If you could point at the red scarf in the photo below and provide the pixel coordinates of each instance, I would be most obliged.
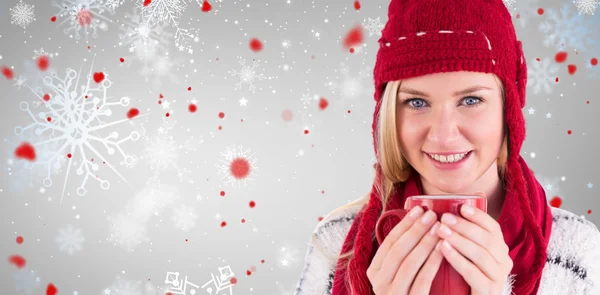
(525, 219)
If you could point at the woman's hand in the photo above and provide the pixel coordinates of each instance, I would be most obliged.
(475, 247)
(407, 260)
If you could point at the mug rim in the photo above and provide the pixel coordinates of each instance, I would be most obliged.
(446, 197)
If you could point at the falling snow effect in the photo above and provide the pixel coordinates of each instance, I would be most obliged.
(566, 30)
(587, 6)
(509, 3)
(349, 85)
(41, 52)
(541, 75)
(80, 115)
(247, 74)
(373, 26)
(70, 240)
(168, 12)
(522, 11)
(226, 166)
(85, 16)
(22, 14)
(184, 217)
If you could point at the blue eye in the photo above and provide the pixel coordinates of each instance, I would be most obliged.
(418, 103)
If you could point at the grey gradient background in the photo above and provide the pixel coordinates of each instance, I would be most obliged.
(127, 238)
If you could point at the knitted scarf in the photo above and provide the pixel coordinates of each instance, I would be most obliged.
(525, 220)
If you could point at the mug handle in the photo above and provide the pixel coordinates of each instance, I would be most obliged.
(400, 213)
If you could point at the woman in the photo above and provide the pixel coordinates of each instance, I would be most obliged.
(450, 81)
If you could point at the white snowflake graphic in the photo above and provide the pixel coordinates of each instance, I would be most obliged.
(83, 15)
(74, 116)
(509, 3)
(70, 240)
(566, 30)
(181, 286)
(168, 12)
(138, 32)
(306, 99)
(26, 281)
(128, 227)
(349, 85)
(541, 75)
(247, 75)
(237, 166)
(586, 6)
(184, 217)
(20, 81)
(286, 44)
(22, 14)
(373, 26)
(126, 287)
(287, 256)
(41, 52)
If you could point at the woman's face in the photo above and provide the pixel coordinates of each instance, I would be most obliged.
(450, 127)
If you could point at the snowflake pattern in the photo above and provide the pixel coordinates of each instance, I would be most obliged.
(168, 12)
(373, 26)
(26, 281)
(41, 52)
(83, 15)
(22, 14)
(509, 3)
(76, 113)
(522, 11)
(586, 6)
(350, 86)
(70, 240)
(184, 217)
(237, 166)
(566, 30)
(541, 74)
(247, 75)
(139, 33)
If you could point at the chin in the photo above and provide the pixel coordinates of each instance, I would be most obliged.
(450, 185)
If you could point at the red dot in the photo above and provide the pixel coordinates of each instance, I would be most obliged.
(589, 211)
(19, 240)
(540, 11)
(349, 111)
(220, 127)
(351, 50)
(320, 218)
(248, 272)
(49, 119)
(147, 2)
(160, 96)
(233, 281)
(69, 155)
(560, 57)
(594, 61)
(572, 68)
(159, 101)
(556, 202)
(353, 37)
(262, 261)
(192, 108)
(17, 260)
(186, 240)
(222, 193)
(556, 80)
(206, 7)
(190, 88)
(122, 59)
(252, 204)
(537, 59)
(305, 131)
(569, 131)
(221, 115)
(43, 62)
(256, 45)
(167, 114)
(7, 72)
(357, 5)
(53, 19)
(243, 220)
(98, 77)
(240, 168)
(223, 224)
(132, 113)
(323, 103)
(46, 97)
(51, 289)
(588, 102)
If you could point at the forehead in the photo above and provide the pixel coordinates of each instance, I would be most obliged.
(449, 82)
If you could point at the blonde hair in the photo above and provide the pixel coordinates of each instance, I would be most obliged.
(394, 167)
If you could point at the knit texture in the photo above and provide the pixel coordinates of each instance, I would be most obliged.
(431, 36)
(572, 267)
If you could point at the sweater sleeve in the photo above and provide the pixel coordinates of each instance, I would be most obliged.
(321, 257)
(591, 258)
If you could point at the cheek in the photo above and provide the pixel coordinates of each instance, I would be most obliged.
(410, 133)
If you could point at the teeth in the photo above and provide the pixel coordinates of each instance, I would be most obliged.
(449, 158)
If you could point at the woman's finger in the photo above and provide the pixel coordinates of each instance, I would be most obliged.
(471, 273)
(422, 283)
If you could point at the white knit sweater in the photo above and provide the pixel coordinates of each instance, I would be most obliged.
(572, 267)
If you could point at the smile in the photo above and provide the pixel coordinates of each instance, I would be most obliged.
(449, 161)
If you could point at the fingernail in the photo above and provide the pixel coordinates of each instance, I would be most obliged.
(434, 229)
(467, 210)
(427, 217)
(449, 219)
(415, 212)
(437, 246)
(445, 230)
(447, 245)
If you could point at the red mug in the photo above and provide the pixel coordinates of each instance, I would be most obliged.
(447, 280)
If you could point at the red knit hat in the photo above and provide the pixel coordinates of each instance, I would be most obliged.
(431, 36)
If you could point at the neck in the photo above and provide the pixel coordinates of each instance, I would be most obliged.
(489, 183)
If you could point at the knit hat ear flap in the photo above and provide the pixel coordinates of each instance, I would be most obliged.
(521, 73)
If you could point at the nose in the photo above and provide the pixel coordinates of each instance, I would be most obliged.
(444, 128)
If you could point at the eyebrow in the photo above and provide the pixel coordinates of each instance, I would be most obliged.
(457, 93)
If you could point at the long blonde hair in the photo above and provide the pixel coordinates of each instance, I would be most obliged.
(394, 167)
